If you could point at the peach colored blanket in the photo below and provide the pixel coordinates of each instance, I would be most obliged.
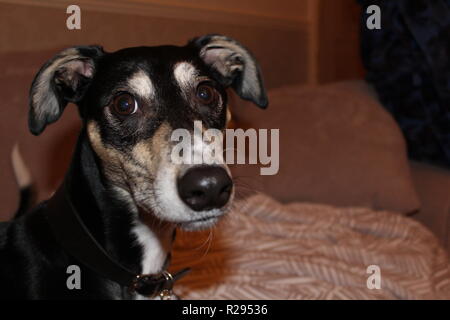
(266, 250)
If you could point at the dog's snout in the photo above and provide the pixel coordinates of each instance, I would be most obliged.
(205, 188)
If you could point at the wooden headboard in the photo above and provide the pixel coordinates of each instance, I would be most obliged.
(309, 41)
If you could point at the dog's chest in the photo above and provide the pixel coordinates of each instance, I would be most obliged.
(156, 244)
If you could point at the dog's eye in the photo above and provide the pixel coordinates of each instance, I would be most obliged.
(124, 104)
(206, 94)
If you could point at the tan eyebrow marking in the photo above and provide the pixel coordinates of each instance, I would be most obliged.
(185, 74)
(141, 84)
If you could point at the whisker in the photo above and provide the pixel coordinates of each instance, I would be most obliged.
(209, 241)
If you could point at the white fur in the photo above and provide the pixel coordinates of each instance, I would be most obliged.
(154, 239)
(185, 74)
(141, 85)
(156, 245)
(154, 248)
(155, 242)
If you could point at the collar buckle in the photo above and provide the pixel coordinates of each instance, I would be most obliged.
(160, 284)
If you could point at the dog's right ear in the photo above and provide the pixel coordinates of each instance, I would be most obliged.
(61, 80)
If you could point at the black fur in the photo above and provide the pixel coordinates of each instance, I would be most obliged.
(33, 265)
(25, 200)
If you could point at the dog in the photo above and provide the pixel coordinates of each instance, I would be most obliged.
(115, 215)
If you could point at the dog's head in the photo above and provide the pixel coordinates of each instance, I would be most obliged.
(132, 100)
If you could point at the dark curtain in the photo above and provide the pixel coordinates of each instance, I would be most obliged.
(408, 62)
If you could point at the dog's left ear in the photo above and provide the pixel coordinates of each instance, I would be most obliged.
(233, 65)
(61, 80)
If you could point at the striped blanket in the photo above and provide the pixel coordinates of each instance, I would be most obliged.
(266, 250)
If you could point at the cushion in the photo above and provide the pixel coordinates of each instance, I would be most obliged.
(305, 251)
(337, 146)
(433, 186)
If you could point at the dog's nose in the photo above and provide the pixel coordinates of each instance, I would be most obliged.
(205, 187)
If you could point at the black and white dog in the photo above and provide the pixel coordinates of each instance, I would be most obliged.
(123, 197)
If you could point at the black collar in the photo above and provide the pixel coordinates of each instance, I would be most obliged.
(75, 238)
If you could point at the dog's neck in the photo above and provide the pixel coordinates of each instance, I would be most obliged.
(138, 242)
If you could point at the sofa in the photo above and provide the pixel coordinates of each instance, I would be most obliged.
(339, 146)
